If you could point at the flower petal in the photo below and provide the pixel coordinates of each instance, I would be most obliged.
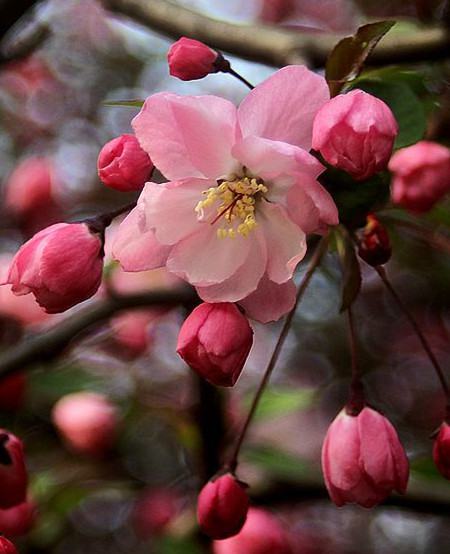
(188, 136)
(270, 301)
(284, 105)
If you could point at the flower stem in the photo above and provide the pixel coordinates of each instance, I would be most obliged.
(356, 400)
(315, 261)
(99, 223)
(240, 78)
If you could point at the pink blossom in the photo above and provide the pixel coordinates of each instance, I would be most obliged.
(441, 450)
(242, 193)
(421, 175)
(154, 511)
(123, 165)
(13, 474)
(18, 520)
(61, 265)
(363, 460)
(190, 59)
(131, 330)
(355, 132)
(7, 547)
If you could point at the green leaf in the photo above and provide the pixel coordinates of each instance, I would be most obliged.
(278, 463)
(348, 56)
(280, 401)
(351, 271)
(129, 103)
(175, 545)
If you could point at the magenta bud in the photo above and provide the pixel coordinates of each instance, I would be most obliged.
(222, 507)
(18, 520)
(7, 547)
(190, 59)
(123, 165)
(374, 246)
(441, 450)
(355, 132)
(215, 340)
(13, 474)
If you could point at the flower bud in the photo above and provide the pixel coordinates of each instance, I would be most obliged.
(262, 533)
(123, 165)
(441, 450)
(363, 459)
(7, 547)
(12, 392)
(190, 59)
(222, 507)
(215, 340)
(421, 175)
(13, 474)
(355, 132)
(374, 245)
(61, 265)
(154, 511)
(18, 520)
(87, 421)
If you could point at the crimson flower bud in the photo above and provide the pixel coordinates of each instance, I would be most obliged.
(374, 244)
(61, 265)
(355, 132)
(12, 392)
(7, 547)
(13, 474)
(154, 511)
(421, 175)
(262, 533)
(18, 520)
(363, 459)
(87, 421)
(190, 59)
(222, 507)
(215, 340)
(123, 165)
(441, 450)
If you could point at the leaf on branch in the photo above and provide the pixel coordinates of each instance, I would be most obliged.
(128, 103)
(351, 271)
(348, 56)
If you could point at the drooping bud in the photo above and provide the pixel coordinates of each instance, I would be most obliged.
(61, 265)
(87, 421)
(363, 460)
(18, 520)
(421, 175)
(123, 165)
(222, 507)
(154, 511)
(441, 450)
(7, 547)
(215, 340)
(355, 132)
(13, 474)
(190, 59)
(374, 246)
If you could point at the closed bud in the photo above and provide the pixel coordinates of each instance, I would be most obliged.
(215, 340)
(374, 246)
(61, 265)
(7, 547)
(421, 175)
(441, 450)
(222, 507)
(18, 520)
(190, 59)
(123, 165)
(155, 510)
(13, 474)
(363, 460)
(355, 132)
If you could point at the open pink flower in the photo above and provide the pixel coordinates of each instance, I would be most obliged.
(242, 192)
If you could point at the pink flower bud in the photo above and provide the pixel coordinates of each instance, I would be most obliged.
(13, 474)
(123, 165)
(190, 59)
(18, 520)
(131, 331)
(441, 450)
(355, 132)
(374, 246)
(222, 507)
(61, 265)
(7, 547)
(154, 511)
(12, 392)
(363, 459)
(215, 340)
(87, 421)
(421, 175)
(262, 533)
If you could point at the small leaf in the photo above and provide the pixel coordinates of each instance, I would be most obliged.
(281, 401)
(129, 103)
(351, 271)
(348, 56)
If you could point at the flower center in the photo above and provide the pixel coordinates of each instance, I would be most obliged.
(235, 201)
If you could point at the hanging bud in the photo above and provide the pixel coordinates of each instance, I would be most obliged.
(18, 520)
(374, 245)
(190, 59)
(222, 507)
(7, 547)
(363, 460)
(441, 450)
(13, 474)
(215, 340)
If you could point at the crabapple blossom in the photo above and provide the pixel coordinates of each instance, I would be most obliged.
(363, 460)
(441, 450)
(61, 265)
(374, 246)
(243, 192)
(421, 175)
(355, 132)
(6, 546)
(190, 59)
(154, 511)
(123, 165)
(215, 340)
(222, 507)
(18, 520)
(13, 474)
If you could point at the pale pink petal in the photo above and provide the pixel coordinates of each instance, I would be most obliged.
(188, 136)
(401, 463)
(270, 301)
(286, 242)
(284, 105)
(137, 248)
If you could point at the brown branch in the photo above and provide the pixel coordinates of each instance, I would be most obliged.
(274, 45)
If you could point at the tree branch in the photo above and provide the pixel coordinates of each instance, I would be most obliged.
(270, 44)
